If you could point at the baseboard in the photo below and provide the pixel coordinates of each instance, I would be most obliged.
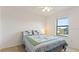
(74, 48)
(3, 49)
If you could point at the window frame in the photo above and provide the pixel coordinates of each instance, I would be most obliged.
(61, 26)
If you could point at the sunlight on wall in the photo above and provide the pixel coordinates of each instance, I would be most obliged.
(47, 30)
(43, 31)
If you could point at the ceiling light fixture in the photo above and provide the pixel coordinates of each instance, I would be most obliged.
(46, 9)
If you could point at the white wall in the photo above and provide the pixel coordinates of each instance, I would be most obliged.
(73, 14)
(14, 21)
(0, 28)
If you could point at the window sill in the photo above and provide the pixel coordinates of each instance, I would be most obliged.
(63, 35)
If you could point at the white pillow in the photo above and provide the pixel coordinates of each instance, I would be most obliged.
(35, 32)
(28, 33)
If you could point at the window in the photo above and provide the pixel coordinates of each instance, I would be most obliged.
(62, 26)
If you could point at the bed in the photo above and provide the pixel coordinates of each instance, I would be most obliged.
(43, 43)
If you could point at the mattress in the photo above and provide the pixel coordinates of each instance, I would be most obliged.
(41, 43)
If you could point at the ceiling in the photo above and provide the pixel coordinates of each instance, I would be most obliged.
(38, 10)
